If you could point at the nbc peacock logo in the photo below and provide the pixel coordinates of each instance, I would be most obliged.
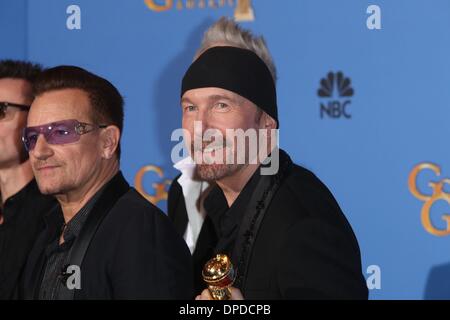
(243, 9)
(337, 105)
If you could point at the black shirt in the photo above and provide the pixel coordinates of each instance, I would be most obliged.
(226, 220)
(57, 254)
(23, 220)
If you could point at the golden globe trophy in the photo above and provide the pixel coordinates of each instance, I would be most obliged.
(219, 275)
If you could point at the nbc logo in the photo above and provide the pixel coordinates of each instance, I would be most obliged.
(338, 107)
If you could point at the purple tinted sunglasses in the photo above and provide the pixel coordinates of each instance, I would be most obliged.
(60, 132)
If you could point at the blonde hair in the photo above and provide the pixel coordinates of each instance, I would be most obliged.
(226, 32)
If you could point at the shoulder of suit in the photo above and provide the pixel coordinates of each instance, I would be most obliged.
(306, 201)
(302, 180)
(309, 193)
(134, 203)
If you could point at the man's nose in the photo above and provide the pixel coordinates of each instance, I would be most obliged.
(42, 150)
(202, 115)
(206, 118)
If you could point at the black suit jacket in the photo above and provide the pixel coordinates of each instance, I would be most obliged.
(305, 247)
(135, 253)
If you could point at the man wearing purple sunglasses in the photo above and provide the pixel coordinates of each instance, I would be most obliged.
(103, 240)
(21, 204)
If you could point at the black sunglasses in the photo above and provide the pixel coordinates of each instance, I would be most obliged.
(5, 105)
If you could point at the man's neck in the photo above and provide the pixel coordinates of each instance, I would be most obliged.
(73, 201)
(233, 185)
(14, 178)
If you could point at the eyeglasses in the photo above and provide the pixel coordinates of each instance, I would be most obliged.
(60, 132)
(6, 105)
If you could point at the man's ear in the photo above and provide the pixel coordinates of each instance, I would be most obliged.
(269, 122)
(110, 137)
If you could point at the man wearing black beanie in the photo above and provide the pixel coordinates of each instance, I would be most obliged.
(277, 223)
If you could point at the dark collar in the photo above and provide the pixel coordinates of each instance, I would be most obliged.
(72, 229)
(55, 219)
(226, 219)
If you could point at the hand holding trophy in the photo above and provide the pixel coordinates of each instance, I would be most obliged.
(219, 275)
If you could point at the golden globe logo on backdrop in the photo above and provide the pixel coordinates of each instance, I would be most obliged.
(429, 200)
(243, 8)
(159, 188)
